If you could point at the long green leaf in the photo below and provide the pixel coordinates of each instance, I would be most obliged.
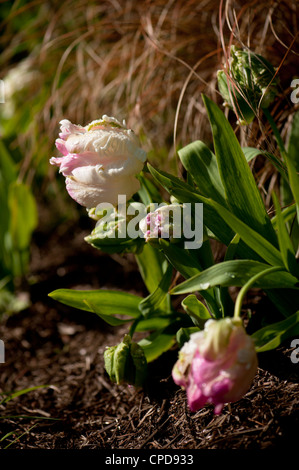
(288, 214)
(240, 188)
(253, 239)
(201, 164)
(158, 322)
(152, 265)
(155, 299)
(285, 244)
(148, 192)
(181, 259)
(293, 141)
(271, 336)
(251, 152)
(186, 264)
(105, 303)
(24, 391)
(158, 342)
(23, 215)
(7, 166)
(294, 181)
(235, 273)
(8, 176)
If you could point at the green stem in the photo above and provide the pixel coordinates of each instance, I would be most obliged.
(134, 326)
(243, 291)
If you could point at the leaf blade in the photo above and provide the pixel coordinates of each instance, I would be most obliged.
(271, 336)
(235, 273)
(244, 199)
(106, 304)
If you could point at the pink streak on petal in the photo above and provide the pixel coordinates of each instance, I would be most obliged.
(196, 399)
(75, 160)
(60, 145)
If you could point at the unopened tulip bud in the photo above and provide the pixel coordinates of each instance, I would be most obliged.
(126, 363)
(249, 83)
(164, 222)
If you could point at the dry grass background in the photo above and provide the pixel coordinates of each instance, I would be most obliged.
(143, 61)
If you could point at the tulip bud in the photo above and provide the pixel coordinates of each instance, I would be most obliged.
(126, 363)
(248, 84)
(217, 365)
(113, 232)
(164, 222)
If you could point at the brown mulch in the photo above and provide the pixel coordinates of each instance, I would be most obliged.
(79, 408)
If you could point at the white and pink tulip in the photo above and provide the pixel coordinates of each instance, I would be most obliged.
(217, 365)
(100, 161)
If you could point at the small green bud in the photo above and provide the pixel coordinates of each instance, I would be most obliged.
(111, 234)
(109, 359)
(248, 84)
(126, 363)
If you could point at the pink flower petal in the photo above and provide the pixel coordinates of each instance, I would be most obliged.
(60, 145)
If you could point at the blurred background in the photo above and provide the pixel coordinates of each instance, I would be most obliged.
(146, 62)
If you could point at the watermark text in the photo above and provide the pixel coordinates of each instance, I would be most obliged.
(295, 353)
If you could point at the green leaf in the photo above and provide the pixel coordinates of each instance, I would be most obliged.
(240, 188)
(8, 176)
(186, 264)
(148, 192)
(183, 335)
(23, 218)
(201, 164)
(288, 214)
(196, 310)
(235, 273)
(158, 322)
(253, 239)
(22, 221)
(12, 395)
(294, 181)
(158, 342)
(293, 141)
(154, 300)
(181, 259)
(232, 248)
(251, 152)
(285, 244)
(152, 265)
(105, 303)
(7, 166)
(271, 336)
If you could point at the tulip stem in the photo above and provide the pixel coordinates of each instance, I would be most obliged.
(133, 326)
(243, 291)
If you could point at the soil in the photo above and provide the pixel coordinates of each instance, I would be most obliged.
(77, 407)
